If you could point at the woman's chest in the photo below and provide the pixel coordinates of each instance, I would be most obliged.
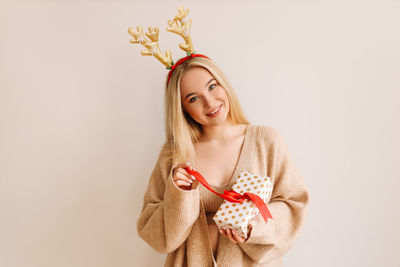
(217, 163)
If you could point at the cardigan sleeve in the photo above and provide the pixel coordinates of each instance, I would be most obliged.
(288, 206)
(168, 212)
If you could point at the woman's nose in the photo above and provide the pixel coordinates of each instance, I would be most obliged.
(209, 102)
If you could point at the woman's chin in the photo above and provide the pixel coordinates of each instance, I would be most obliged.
(222, 119)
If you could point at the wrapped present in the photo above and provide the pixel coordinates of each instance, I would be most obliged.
(243, 201)
(237, 215)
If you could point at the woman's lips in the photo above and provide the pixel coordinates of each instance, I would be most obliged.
(217, 113)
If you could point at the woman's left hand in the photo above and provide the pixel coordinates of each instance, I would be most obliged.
(233, 236)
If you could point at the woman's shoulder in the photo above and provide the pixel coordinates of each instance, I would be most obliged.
(165, 152)
(268, 132)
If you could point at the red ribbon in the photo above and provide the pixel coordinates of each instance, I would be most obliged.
(233, 196)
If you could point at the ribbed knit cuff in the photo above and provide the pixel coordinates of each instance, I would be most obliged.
(262, 232)
(188, 201)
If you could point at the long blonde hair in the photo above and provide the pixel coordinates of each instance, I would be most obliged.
(180, 129)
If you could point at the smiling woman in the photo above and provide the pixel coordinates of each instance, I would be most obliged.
(207, 130)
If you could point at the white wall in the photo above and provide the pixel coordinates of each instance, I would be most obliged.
(81, 119)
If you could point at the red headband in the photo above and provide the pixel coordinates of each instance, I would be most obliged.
(183, 60)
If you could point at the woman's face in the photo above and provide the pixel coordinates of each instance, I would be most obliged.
(201, 95)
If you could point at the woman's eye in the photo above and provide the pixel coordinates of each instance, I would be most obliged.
(212, 86)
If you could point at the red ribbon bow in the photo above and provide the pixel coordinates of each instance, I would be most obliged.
(233, 196)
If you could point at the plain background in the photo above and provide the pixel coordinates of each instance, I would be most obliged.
(81, 113)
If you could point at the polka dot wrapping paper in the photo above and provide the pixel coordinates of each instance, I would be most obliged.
(237, 215)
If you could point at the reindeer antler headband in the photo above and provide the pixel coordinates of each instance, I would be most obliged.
(182, 28)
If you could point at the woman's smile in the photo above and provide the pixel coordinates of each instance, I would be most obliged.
(216, 112)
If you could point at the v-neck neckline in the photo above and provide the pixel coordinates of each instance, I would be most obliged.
(243, 151)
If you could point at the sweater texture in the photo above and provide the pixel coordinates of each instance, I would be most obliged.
(174, 221)
(211, 203)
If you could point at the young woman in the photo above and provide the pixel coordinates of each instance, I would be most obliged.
(207, 130)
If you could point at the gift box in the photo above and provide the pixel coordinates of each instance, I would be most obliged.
(237, 215)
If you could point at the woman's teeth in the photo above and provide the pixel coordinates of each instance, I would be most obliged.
(214, 111)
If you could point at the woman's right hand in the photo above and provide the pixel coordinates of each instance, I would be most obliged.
(182, 178)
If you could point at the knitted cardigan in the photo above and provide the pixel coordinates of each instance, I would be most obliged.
(173, 220)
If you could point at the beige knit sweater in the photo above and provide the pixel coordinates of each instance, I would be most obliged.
(173, 220)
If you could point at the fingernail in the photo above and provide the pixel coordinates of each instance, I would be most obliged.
(192, 177)
(220, 231)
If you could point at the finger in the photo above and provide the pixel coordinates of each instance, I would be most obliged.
(183, 177)
(188, 164)
(179, 167)
(184, 172)
(182, 183)
(250, 227)
(229, 235)
(191, 177)
(222, 231)
(237, 237)
(184, 165)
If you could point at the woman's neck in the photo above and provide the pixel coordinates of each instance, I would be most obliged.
(221, 133)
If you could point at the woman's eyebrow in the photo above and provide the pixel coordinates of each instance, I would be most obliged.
(212, 79)
(190, 95)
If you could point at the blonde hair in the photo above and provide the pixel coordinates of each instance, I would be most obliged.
(180, 129)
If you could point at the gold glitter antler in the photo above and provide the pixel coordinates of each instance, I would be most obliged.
(182, 28)
(151, 45)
